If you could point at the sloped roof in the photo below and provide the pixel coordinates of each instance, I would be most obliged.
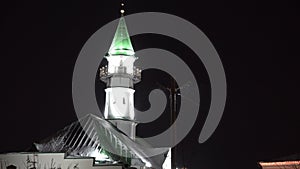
(287, 162)
(93, 136)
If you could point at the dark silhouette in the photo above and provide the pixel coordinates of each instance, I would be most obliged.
(11, 167)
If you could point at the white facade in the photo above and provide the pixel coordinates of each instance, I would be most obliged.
(115, 62)
(119, 103)
(48, 161)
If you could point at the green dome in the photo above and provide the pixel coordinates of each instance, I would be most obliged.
(121, 44)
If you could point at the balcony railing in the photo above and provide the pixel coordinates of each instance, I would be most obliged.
(135, 76)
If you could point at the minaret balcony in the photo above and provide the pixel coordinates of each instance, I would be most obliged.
(121, 72)
(137, 74)
(103, 72)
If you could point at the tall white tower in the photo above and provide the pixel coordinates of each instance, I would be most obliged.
(120, 74)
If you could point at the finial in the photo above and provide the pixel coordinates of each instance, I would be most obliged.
(122, 9)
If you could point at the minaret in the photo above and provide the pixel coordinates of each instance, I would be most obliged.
(120, 74)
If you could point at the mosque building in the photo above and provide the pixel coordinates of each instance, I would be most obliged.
(95, 142)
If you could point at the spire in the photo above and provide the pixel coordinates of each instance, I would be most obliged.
(121, 44)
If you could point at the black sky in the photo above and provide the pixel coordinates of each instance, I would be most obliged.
(258, 43)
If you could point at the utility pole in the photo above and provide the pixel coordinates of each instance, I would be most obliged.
(173, 110)
(173, 92)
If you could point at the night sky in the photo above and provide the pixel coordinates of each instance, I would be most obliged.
(258, 43)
